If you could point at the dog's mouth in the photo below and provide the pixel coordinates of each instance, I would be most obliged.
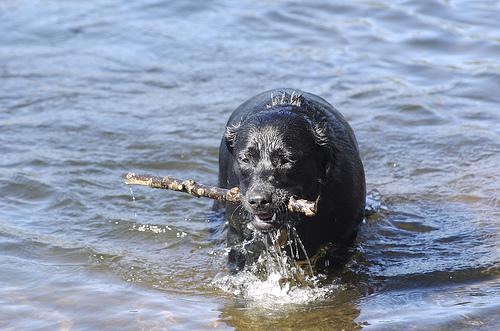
(265, 221)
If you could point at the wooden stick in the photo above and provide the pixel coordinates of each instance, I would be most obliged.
(308, 208)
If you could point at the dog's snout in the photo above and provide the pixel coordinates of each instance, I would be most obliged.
(259, 199)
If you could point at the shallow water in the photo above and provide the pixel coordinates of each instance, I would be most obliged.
(89, 90)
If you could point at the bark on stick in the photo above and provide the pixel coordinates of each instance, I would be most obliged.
(308, 208)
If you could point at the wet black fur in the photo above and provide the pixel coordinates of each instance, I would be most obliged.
(303, 149)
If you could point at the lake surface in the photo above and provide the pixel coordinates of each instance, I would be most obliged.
(92, 89)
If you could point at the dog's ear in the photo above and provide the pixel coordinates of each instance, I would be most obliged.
(230, 135)
(320, 133)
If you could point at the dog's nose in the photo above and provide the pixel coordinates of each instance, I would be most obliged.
(259, 199)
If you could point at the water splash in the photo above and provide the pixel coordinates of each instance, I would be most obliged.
(373, 203)
(132, 193)
(133, 201)
(276, 279)
(297, 239)
(157, 229)
(275, 291)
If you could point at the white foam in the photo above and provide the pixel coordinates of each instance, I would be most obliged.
(154, 229)
(274, 284)
(272, 292)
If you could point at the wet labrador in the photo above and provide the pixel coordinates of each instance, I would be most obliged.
(284, 143)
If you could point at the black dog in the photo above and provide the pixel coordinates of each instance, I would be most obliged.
(284, 143)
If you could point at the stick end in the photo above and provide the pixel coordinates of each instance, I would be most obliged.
(128, 177)
(308, 208)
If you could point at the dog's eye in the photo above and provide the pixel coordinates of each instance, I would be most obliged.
(282, 162)
(285, 162)
(248, 156)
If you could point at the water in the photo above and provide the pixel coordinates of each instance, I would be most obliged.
(89, 90)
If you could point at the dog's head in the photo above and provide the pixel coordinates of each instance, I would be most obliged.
(278, 153)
